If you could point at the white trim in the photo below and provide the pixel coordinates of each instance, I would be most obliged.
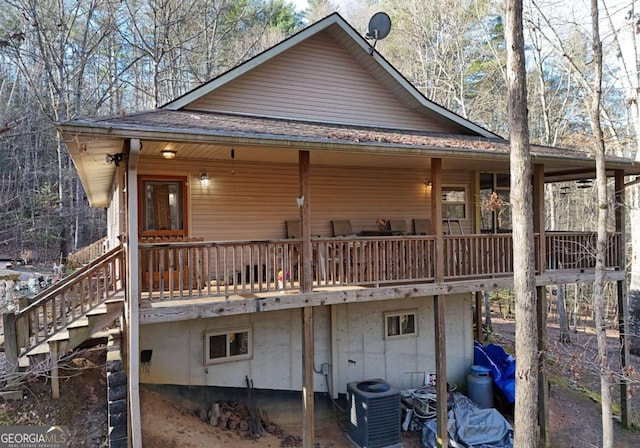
(228, 357)
(133, 294)
(401, 335)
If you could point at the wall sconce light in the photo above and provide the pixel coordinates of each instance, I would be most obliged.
(114, 158)
(168, 153)
(204, 179)
(427, 182)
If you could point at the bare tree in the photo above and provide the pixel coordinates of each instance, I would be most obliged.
(630, 63)
(526, 415)
(601, 245)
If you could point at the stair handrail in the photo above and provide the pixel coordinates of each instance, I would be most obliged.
(28, 319)
(64, 282)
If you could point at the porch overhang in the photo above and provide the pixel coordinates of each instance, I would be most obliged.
(209, 136)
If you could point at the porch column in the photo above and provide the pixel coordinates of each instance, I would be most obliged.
(306, 286)
(133, 295)
(442, 437)
(538, 228)
(436, 216)
(306, 258)
(623, 305)
(538, 216)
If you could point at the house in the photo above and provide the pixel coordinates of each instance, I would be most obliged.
(309, 219)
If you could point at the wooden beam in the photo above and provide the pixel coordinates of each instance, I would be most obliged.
(216, 307)
(11, 346)
(308, 435)
(442, 437)
(436, 216)
(54, 354)
(478, 316)
(334, 351)
(543, 389)
(623, 306)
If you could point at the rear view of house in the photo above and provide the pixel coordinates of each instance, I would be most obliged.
(309, 220)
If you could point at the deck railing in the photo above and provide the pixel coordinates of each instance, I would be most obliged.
(69, 300)
(177, 270)
(87, 254)
(567, 250)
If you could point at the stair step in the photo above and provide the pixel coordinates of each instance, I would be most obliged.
(60, 336)
(82, 322)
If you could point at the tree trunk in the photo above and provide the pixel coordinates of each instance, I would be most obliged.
(599, 300)
(526, 413)
(634, 197)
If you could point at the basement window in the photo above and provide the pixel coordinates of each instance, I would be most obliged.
(230, 345)
(400, 324)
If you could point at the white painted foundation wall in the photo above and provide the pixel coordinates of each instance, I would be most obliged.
(362, 351)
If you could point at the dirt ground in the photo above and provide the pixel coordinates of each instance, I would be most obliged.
(82, 406)
(574, 413)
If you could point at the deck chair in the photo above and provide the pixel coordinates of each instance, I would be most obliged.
(342, 227)
(422, 227)
(294, 230)
(398, 227)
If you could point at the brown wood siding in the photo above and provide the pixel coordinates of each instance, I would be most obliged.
(252, 201)
(316, 80)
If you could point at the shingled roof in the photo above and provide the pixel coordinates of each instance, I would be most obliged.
(310, 134)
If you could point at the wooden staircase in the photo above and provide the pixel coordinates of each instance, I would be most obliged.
(69, 313)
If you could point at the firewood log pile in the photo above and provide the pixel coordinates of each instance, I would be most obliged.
(235, 416)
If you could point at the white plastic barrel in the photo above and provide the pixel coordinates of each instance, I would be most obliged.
(480, 386)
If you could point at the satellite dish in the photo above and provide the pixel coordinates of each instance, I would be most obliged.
(379, 28)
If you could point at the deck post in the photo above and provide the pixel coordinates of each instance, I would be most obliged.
(623, 305)
(478, 315)
(306, 286)
(543, 389)
(538, 227)
(308, 433)
(54, 354)
(442, 437)
(11, 344)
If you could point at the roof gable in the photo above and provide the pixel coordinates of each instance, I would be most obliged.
(325, 73)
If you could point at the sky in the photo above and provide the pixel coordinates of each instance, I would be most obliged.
(300, 5)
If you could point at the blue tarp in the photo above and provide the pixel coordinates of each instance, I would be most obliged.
(502, 365)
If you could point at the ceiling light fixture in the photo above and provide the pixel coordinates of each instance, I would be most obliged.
(168, 153)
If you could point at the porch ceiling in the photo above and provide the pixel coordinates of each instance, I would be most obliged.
(208, 136)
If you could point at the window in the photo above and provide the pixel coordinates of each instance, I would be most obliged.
(231, 345)
(163, 206)
(495, 212)
(454, 202)
(400, 324)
